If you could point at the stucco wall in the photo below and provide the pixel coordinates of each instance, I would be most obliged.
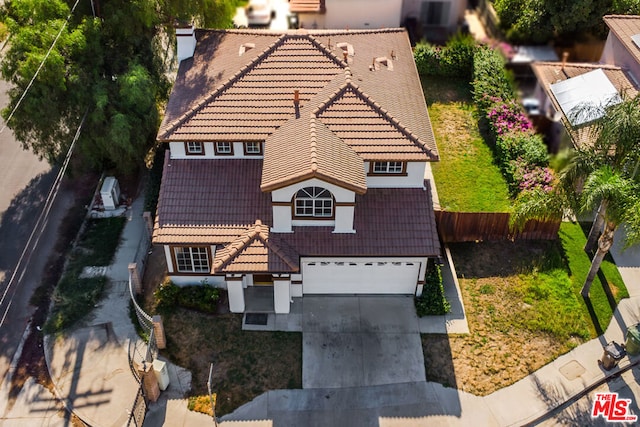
(413, 179)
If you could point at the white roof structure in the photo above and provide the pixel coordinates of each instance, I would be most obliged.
(584, 98)
(529, 54)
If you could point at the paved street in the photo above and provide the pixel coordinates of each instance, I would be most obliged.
(26, 181)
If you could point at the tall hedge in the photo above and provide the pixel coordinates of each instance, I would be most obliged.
(491, 80)
(455, 59)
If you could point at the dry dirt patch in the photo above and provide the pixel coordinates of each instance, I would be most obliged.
(499, 350)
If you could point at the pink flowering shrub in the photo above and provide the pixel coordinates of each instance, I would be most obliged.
(528, 177)
(508, 116)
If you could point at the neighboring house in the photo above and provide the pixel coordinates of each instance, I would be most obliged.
(622, 47)
(297, 163)
(435, 19)
(563, 86)
(565, 89)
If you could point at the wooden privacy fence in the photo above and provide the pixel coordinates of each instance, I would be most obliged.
(456, 227)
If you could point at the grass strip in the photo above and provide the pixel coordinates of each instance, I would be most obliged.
(466, 176)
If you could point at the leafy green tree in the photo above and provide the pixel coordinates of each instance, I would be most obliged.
(202, 13)
(106, 66)
(626, 7)
(44, 120)
(539, 21)
(107, 62)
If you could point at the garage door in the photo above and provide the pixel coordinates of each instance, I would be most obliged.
(359, 277)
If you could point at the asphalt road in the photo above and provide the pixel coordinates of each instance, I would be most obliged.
(24, 183)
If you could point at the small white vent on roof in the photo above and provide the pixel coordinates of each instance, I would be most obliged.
(347, 47)
(383, 61)
(245, 47)
(584, 98)
(636, 39)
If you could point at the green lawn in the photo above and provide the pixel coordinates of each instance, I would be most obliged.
(603, 299)
(467, 179)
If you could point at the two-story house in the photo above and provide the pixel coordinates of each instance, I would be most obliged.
(297, 162)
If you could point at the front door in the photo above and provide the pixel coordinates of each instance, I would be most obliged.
(262, 280)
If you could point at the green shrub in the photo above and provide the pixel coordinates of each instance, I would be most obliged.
(455, 59)
(491, 81)
(432, 301)
(166, 296)
(199, 297)
(457, 56)
(196, 297)
(525, 145)
(427, 59)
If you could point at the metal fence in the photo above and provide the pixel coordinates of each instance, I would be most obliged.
(139, 409)
(137, 357)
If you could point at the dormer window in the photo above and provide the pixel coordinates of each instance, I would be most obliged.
(388, 168)
(313, 202)
(224, 148)
(194, 148)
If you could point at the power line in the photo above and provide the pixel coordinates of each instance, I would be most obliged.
(41, 222)
(40, 67)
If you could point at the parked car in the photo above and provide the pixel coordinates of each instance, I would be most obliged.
(259, 12)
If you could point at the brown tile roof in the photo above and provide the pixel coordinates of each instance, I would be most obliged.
(258, 98)
(222, 95)
(548, 73)
(388, 222)
(253, 251)
(307, 6)
(306, 149)
(368, 128)
(211, 200)
(219, 207)
(625, 26)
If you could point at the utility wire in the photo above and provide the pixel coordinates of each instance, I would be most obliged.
(39, 67)
(41, 222)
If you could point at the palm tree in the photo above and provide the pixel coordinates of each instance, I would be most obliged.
(616, 197)
(602, 175)
(615, 139)
(604, 187)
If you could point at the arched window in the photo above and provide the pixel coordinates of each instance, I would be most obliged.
(314, 202)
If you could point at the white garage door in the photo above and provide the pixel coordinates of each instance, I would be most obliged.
(359, 277)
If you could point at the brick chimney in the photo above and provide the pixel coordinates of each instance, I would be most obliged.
(186, 41)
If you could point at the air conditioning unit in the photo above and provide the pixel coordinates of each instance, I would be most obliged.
(110, 193)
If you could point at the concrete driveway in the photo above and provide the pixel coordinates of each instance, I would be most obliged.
(354, 341)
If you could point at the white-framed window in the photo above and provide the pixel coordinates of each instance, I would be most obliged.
(224, 148)
(314, 202)
(192, 259)
(388, 167)
(194, 148)
(252, 148)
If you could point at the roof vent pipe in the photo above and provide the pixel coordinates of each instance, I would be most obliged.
(296, 97)
(345, 54)
(565, 56)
